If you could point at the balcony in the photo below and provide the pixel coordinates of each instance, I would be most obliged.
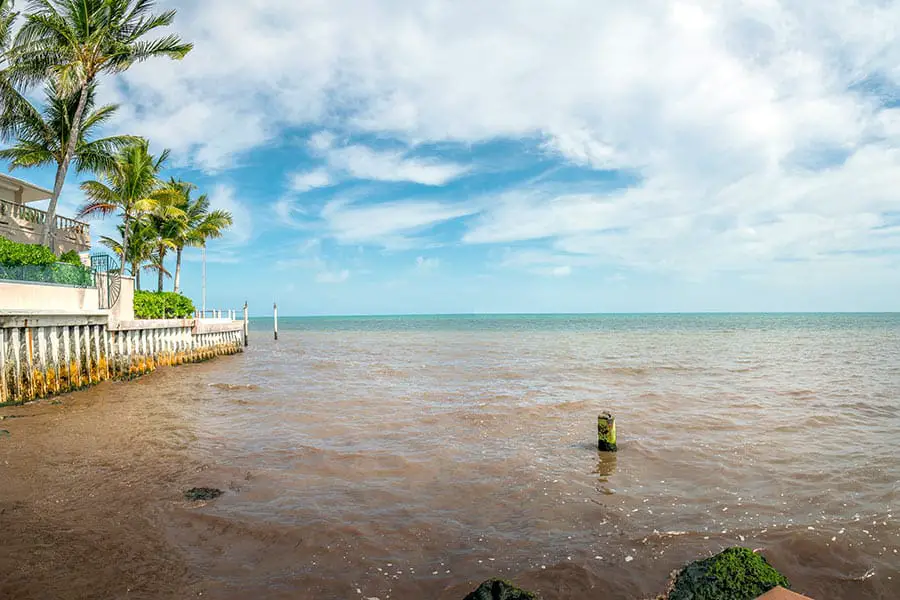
(22, 223)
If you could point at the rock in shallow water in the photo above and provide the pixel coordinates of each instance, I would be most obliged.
(733, 574)
(497, 589)
(204, 493)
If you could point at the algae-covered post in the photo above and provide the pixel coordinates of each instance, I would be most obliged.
(606, 432)
(275, 316)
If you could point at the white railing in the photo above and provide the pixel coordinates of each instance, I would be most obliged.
(39, 217)
(227, 314)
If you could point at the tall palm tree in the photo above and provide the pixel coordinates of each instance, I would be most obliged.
(74, 42)
(165, 220)
(42, 138)
(199, 225)
(132, 188)
(9, 96)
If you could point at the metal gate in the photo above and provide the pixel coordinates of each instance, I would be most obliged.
(108, 277)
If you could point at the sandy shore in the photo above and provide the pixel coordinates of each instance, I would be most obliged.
(90, 485)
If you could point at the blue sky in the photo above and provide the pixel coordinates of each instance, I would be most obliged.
(523, 156)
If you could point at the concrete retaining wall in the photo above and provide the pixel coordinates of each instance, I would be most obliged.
(46, 354)
(20, 296)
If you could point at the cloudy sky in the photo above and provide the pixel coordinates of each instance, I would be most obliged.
(423, 156)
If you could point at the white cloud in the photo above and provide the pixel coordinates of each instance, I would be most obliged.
(710, 103)
(387, 223)
(223, 197)
(425, 265)
(361, 162)
(333, 276)
(309, 180)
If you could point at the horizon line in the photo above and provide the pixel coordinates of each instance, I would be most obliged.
(579, 314)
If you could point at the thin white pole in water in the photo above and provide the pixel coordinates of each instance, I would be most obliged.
(203, 301)
(246, 325)
(275, 314)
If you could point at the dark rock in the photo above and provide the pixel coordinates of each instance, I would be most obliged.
(203, 493)
(497, 589)
(733, 574)
(4, 433)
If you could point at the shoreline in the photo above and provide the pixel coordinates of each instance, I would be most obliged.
(90, 481)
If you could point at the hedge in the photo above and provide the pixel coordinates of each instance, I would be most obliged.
(71, 257)
(162, 305)
(61, 273)
(33, 262)
(13, 254)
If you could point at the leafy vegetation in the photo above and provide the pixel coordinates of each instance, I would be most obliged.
(132, 188)
(162, 305)
(71, 257)
(13, 254)
(67, 47)
(33, 262)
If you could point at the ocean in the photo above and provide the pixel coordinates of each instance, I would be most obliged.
(412, 456)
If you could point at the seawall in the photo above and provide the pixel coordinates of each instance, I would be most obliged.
(44, 354)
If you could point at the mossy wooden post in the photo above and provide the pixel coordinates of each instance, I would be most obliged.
(275, 316)
(606, 432)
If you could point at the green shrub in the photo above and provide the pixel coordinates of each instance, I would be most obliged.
(32, 262)
(71, 257)
(13, 254)
(72, 274)
(162, 305)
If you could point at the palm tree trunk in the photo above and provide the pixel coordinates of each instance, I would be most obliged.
(136, 271)
(178, 252)
(162, 267)
(62, 169)
(125, 226)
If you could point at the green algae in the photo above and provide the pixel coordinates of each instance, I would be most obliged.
(733, 574)
(203, 493)
(498, 589)
(606, 432)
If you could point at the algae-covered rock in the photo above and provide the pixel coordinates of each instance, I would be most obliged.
(497, 589)
(733, 574)
(204, 493)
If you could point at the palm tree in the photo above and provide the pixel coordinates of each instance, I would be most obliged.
(165, 220)
(74, 42)
(199, 225)
(43, 138)
(140, 247)
(9, 96)
(132, 187)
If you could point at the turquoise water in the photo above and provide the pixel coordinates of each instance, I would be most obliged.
(587, 322)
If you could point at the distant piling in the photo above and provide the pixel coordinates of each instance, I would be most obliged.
(606, 432)
(275, 315)
(246, 325)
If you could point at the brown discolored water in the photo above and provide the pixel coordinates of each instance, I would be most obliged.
(414, 457)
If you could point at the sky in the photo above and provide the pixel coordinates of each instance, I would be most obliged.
(458, 156)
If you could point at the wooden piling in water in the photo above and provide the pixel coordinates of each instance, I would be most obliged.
(606, 432)
(275, 316)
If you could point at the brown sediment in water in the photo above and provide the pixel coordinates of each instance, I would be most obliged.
(428, 479)
(88, 482)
